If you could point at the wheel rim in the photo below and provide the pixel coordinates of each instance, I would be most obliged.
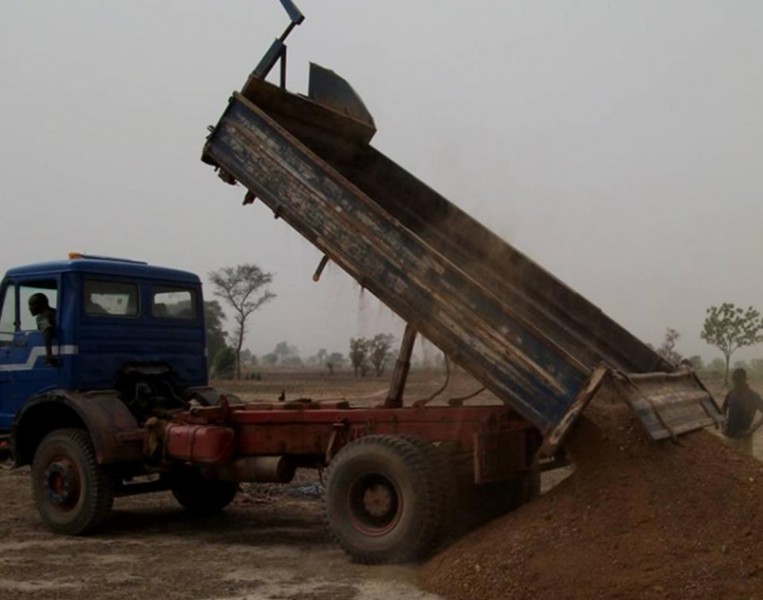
(375, 504)
(62, 484)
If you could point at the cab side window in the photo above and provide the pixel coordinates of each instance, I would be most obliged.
(173, 303)
(7, 315)
(27, 290)
(112, 298)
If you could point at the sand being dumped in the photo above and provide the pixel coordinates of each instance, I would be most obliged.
(635, 520)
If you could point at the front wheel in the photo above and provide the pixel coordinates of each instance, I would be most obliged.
(384, 500)
(72, 492)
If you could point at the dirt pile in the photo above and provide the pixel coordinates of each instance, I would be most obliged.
(635, 520)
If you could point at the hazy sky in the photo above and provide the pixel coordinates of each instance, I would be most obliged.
(618, 144)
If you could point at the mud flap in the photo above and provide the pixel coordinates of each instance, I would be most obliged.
(668, 404)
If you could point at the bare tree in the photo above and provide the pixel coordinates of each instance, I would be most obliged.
(359, 348)
(379, 351)
(335, 360)
(244, 288)
(668, 348)
(729, 328)
(322, 356)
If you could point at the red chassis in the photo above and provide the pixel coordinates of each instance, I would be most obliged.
(309, 434)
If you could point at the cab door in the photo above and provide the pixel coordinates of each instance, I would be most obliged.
(24, 370)
(8, 302)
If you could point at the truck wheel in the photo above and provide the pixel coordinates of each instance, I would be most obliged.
(202, 496)
(383, 500)
(72, 492)
(448, 492)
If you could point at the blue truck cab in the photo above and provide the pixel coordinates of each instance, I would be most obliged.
(129, 341)
(128, 350)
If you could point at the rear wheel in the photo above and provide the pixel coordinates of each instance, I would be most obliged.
(447, 491)
(72, 492)
(202, 496)
(383, 500)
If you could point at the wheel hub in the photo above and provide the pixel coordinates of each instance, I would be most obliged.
(377, 500)
(61, 483)
(375, 505)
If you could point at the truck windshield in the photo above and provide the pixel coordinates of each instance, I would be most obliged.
(7, 315)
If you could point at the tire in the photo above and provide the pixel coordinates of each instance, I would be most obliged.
(72, 492)
(445, 485)
(202, 496)
(383, 500)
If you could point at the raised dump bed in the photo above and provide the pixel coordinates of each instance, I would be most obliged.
(542, 348)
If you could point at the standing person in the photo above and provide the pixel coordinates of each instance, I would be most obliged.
(45, 316)
(739, 409)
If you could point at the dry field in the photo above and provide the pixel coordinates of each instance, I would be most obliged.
(270, 544)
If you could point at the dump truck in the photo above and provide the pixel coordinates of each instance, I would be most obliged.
(127, 409)
(539, 346)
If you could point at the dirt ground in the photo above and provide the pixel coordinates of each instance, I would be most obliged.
(270, 544)
(634, 520)
(265, 546)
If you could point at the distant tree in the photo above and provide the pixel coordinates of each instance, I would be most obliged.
(249, 362)
(293, 360)
(322, 356)
(244, 288)
(248, 357)
(359, 349)
(337, 358)
(668, 348)
(728, 328)
(213, 323)
(224, 365)
(379, 351)
(286, 353)
(716, 365)
(282, 350)
(697, 362)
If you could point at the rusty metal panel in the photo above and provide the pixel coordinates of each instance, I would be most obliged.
(555, 310)
(467, 321)
(331, 91)
(555, 437)
(314, 123)
(309, 430)
(115, 433)
(498, 456)
(530, 339)
(668, 404)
